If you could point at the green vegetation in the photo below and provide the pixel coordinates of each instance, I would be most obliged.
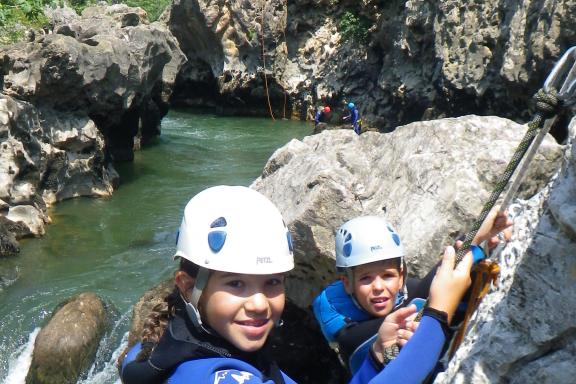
(154, 8)
(17, 16)
(354, 27)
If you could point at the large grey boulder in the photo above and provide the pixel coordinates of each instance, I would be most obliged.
(524, 330)
(429, 179)
(65, 348)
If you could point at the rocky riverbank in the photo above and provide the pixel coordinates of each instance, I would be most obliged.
(74, 101)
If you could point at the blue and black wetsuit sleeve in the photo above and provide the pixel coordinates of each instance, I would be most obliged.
(165, 357)
(416, 360)
(135, 370)
(141, 372)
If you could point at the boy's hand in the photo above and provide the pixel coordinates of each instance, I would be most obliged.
(394, 330)
(450, 284)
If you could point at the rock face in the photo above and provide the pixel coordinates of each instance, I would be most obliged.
(223, 43)
(423, 59)
(65, 348)
(524, 331)
(44, 159)
(429, 179)
(73, 101)
(109, 64)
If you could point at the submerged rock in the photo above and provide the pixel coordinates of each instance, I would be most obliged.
(65, 348)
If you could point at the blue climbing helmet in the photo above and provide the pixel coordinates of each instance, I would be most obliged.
(351, 105)
(364, 240)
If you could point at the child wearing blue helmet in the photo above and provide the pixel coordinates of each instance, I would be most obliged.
(234, 252)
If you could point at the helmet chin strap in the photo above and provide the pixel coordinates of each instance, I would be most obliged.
(402, 294)
(350, 276)
(192, 307)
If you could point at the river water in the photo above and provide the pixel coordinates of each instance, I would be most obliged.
(121, 246)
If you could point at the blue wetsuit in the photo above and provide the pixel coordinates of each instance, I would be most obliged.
(318, 117)
(412, 365)
(354, 117)
(348, 326)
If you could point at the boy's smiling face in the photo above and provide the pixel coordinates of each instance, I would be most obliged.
(375, 286)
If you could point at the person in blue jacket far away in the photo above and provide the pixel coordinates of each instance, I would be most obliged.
(234, 252)
(354, 117)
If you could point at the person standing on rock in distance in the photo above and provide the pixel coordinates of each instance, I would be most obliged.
(320, 114)
(373, 283)
(354, 117)
(234, 251)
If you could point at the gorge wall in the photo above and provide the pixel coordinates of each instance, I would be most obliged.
(422, 59)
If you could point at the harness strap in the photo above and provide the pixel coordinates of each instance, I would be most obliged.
(486, 273)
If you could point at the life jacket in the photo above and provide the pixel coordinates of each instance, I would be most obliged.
(334, 308)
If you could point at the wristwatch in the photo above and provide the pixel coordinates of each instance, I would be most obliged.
(389, 353)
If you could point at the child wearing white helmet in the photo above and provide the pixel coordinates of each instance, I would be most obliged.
(373, 283)
(234, 251)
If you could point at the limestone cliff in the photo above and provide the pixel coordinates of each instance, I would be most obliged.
(423, 59)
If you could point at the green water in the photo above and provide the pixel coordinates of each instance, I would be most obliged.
(121, 246)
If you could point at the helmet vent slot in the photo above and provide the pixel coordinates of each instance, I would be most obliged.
(219, 222)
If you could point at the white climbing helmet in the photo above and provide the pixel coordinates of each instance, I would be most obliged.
(366, 239)
(235, 229)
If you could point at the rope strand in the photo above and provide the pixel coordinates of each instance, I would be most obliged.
(547, 105)
(264, 61)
